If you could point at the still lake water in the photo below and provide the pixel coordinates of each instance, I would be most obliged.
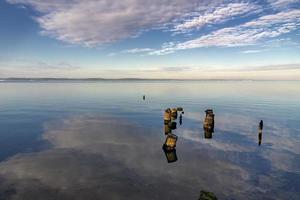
(100, 140)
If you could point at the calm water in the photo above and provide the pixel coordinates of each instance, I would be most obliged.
(100, 140)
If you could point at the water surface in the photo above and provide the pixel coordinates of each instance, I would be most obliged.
(101, 140)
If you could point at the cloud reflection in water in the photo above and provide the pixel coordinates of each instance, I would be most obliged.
(95, 157)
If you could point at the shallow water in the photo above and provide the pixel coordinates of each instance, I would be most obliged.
(101, 140)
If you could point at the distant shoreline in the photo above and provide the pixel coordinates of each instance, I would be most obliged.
(117, 79)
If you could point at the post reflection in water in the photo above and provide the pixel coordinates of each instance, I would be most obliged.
(173, 125)
(259, 137)
(180, 119)
(209, 124)
(208, 133)
(168, 129)
(260, 129)
(170, 155)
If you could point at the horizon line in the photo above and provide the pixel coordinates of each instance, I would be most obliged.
(132, 79)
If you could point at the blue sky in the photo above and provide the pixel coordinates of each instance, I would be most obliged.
(150, 39)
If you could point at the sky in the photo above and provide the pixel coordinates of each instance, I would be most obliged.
(180, 39)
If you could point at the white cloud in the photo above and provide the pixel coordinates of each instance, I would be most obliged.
(253, 51)
(93, 22)
(177, 69)
(268, 26)
(137, 50)
(291, 17)
(281, 3)
(275, 67)
(219, 15)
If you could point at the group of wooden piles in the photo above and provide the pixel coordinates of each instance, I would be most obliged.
(170, 124)
(209, 125)
(170, 116)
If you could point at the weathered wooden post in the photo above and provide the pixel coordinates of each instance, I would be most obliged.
(174, 113)
(261, 124)
(170, 142)
(209, 124)
(167, 116)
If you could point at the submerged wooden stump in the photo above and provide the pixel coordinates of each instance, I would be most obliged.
(180, 109)
(205, 195)
(170, 142)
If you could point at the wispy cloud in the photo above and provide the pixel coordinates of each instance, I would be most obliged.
(137, 50)
(253, 51)
(218, 15)
(177, 69)
(36, 64)
(275, 67)
(268, 26)
(93, 22)
(281, 3)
